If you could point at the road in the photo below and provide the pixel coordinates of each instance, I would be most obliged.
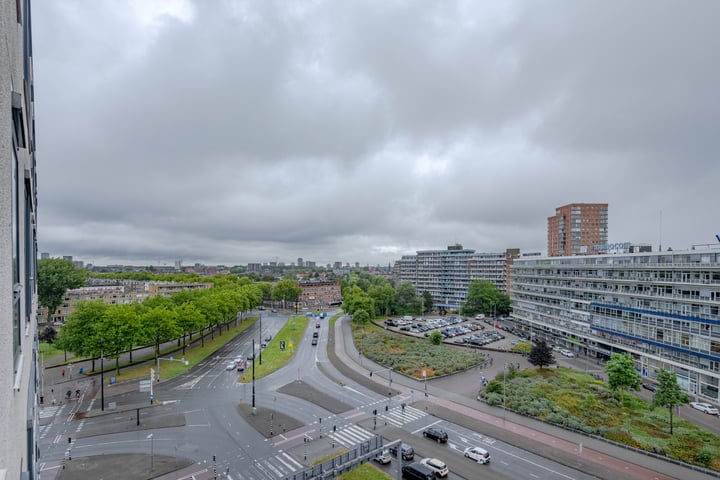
(204, 423)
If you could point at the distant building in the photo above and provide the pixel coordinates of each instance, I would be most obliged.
(300, 262)
(576, 228)
(447, 274)
(254, 267)
(20, 375)
(44, 255)
(320, 294)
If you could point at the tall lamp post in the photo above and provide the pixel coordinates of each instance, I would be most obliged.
(261, 339)
(102, 379)
(253, 377)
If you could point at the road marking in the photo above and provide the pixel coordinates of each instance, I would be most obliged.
(427, 426)
(355, 391)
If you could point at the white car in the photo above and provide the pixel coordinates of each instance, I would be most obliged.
(567, 353)
(437, 466)
(704, 407)
(478, 454)
(230, 366)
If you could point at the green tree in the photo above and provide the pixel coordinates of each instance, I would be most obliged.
(406, 299)
(55, 277)
(286, 290)
(427, 302)
(484, 297)
(159, 324)
(622, 374)
(361, 316)
(81, 332)
(355, 299)
(383, 296)
(116, 333)
(668, 393)
(540, 355)
(189, 319)
(435, 337)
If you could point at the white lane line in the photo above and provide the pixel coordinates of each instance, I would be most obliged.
(427, 426)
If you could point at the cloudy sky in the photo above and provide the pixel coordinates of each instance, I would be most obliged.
(358, 131)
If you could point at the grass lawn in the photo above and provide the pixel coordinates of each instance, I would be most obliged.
(576, 400)
(272, 357)
(366, 471)
(410, 355)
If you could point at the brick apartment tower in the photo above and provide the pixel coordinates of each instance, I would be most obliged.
(576, 228)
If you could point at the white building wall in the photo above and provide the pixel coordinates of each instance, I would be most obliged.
(18, 305)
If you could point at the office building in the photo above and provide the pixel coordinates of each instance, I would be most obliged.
(318, 294)
(662, 308)
(447, 274)
(19, 372)
(576, 228)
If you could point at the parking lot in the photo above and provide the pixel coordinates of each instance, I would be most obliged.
(458, 330)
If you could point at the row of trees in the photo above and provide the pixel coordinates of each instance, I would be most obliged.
(368, 296)
(95, 328)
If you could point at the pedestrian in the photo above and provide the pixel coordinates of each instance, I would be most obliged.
(518, 365)
(63, 372)
(491, 360)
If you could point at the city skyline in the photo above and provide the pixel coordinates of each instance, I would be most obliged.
(235, 135)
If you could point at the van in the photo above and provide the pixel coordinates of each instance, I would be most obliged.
(479, 316)
(417, 471)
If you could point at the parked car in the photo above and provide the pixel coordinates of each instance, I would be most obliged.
(406, 451)
(704, 407)
(417, 471)
(478, 454)
(437, 434)
(649, 386)
(437, 466)
(567, 353)
(384, 458)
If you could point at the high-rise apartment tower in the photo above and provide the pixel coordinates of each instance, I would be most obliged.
(576, 228)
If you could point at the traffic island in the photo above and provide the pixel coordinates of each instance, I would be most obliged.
(121, 467)
(266, 421)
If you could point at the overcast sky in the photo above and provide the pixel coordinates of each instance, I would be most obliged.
(359, 131)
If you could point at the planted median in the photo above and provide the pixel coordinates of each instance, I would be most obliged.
(273, 356)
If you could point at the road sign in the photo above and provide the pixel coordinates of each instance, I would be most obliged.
(145, 385)
(282, 345)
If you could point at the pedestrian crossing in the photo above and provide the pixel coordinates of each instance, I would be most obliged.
(399, 416)
(351, 435)
(280, 466)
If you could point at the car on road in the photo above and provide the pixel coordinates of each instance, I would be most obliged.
(567, 353)
(437, 434)
(384, 458)
(437, 466)
(273, 310)
(649, 386)
(317, 325)
(478, 454)
(230, 366)
(704, 407)
(406, 451)
(314, 341)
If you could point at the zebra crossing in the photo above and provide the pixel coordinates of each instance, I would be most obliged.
(351, 435)
(399, 416)
(281, 465)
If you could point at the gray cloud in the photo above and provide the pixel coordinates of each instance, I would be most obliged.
(360, 131)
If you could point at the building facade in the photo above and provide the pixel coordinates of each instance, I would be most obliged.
(662, 308)
(576, 228)
(320, 294)
(447, 274)
(19, 370)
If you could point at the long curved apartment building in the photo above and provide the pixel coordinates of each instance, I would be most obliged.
(663, 308)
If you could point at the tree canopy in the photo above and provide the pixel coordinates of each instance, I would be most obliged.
(668, 393)
(55, 277)
(540, 355)
(622, 374)
(484, 297)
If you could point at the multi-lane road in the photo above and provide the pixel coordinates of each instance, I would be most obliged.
(202, 422)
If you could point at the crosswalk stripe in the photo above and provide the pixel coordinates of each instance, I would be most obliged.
(292, 460)
(288, 466)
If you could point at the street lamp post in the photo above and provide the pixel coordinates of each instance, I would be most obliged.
(102, 380)
(253, 377)
(152, 451)
(504, 394)
(261, 339)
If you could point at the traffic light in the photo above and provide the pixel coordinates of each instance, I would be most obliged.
(386, 408)
(371, 373)
(375, 412)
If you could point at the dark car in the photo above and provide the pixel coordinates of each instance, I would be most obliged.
(406, 451)
(417, 471)
(317, 325)
(437, 434)
(649, 386)
(314, 341)
(316, 334)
